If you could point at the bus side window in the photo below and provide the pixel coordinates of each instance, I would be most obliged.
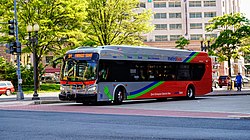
(104, 72)
(142, 75)
(170, 77)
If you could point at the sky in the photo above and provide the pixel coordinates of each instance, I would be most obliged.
(245, 7)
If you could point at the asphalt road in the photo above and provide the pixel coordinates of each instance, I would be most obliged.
(221, 115)
(29, 125)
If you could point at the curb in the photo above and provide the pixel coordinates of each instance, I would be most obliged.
(38, 102)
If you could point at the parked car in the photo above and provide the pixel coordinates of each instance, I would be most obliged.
(6, 87)
(245, 79)
(223, 81)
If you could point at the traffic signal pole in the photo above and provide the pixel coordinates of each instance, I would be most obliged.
(20, 95)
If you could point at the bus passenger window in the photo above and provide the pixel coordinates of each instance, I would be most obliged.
(103, 73)
(170, 77)
(142, 75)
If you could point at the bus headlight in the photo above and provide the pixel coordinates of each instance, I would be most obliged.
(62, 88)
(92, 89)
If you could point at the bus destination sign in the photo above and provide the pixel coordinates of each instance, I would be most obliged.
(81, 55)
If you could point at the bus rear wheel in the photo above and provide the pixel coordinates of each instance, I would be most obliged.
(190, 93)
(119, 96)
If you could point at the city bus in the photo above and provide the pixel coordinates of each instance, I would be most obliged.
(118, 73)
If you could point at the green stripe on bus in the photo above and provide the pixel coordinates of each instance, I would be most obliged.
(191, 58)
(145, 91)
(106, 91)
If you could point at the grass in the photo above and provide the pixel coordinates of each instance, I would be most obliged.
(49, 87)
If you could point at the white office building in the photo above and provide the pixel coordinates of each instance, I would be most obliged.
(188, 18)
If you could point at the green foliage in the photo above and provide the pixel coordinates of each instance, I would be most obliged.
(27, 75)
(61, 23)
(246, 49)
(7, 70)
(116, 22)
(8, 73)
(181, 42)
(233, 28)
(43, 88)
(67, 24)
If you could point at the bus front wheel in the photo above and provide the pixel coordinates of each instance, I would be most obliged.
(119, 96)
(190, 93)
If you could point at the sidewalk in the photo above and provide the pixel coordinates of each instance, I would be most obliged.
(52, 97)
(225, 92)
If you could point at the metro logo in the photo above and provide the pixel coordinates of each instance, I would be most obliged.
(175, 58)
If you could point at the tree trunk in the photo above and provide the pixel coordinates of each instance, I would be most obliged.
(229, 66)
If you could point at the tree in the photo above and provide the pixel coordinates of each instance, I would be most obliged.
(233, 28)
(8, 72)
(61, 24)
(246, 49)
(117, 22)
(181, 42)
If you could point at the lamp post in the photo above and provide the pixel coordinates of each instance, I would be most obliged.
(201, 40)
(208, 43)
(229, 61)
(34, 41)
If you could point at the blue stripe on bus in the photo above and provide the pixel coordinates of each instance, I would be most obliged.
(144, 88)
(189, 57)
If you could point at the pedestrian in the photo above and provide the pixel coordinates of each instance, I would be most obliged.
(238, 81)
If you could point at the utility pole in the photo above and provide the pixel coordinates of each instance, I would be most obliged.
(20, 95)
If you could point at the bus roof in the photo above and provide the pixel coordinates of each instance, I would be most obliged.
(141, 53)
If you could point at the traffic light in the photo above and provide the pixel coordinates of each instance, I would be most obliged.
(13, 48)
(18, 47)
(10, 47)
(12, 27)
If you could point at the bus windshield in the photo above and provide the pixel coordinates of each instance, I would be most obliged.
(79, 70)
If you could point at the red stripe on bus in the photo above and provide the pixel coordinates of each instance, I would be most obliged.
(78, 83)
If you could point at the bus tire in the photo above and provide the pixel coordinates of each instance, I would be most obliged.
(190, 93)
(119, 96)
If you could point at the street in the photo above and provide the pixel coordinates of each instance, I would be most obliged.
(219, 115)
(30, 125)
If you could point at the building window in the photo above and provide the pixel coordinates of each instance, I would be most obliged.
(175, 26)
(174, 37)
(161, 26)
(195, 25)
(195, 15)
(174, 4)
(142, 5)
(207, 24)
(210, 3)
(174, 15)
(194, 3)
(195, 36)
(211, 35)
(161, 38)
(210, 14)
(48, 59)
(160, 15)
(144, 38)
(159, 4)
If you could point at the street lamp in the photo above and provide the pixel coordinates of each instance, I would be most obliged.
(34, 41)
(208, 43)
(201, 40)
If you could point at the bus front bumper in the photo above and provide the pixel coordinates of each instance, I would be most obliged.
(81, 98)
